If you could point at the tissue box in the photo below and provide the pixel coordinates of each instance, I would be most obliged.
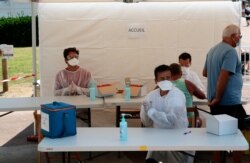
(105, 90)
(138, 90)
(222, 124)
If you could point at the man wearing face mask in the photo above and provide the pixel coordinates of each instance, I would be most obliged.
(223, 71)
(187, 87)
(73, 80)
(165, 107)
(185, 60)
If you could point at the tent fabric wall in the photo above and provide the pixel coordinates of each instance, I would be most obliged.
(100, 32)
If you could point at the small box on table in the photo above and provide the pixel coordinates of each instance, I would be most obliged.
(222, 124)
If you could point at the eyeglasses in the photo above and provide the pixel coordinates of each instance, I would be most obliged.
(69, 57)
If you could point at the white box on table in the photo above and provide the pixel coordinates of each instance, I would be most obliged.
(222, 124)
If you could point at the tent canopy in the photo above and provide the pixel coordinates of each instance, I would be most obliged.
(118, 40)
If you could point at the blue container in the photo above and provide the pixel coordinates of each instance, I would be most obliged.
(58, 120)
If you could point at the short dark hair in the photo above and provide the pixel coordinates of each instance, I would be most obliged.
(161, 68)
(175, 69)
(185, 56)
(71, 49)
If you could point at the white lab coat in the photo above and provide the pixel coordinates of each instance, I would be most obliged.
(169, 112)
(68, 83)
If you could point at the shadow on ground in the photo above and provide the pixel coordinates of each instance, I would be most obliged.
(21, 137)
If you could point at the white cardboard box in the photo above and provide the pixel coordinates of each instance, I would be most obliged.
(221, 124)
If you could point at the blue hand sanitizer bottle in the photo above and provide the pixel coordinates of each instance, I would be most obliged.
(127, 92)
(123, 129)
(92, 90)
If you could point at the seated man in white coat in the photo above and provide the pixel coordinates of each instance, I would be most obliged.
(165, 107)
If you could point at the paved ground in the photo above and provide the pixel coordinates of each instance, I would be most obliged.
(19, 125)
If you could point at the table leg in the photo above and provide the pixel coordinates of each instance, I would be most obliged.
(118, 112)
(68, 157)
(219, 157)
(39, 157)
(223, 156)
(237, 156)
(89, 115)
(6, 113)
(63, 157)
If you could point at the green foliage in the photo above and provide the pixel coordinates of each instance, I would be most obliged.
(16, 31)
(21, 65)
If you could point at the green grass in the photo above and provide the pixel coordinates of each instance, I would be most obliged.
(21, 65)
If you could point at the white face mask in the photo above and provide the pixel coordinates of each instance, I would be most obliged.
(185, 71)
(73, 62)
(165, 85)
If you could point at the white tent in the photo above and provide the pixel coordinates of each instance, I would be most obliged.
(111, 51)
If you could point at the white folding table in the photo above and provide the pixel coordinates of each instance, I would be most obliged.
(34, 103)
(145, 139)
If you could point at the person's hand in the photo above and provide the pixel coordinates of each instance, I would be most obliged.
(147, 105)
(66, 91)
(213, 102)
(73, 88)
(79, 90)
(86, 92)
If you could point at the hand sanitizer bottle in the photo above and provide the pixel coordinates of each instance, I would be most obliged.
(92, 90)
(123, 129)
(127, 92)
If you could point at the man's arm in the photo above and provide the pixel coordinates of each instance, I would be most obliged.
(197, 81)
(204, 73)
(220, 87)
(173, 116)
(194, 90)
(146, 121)
(58, 89)
(163, 119)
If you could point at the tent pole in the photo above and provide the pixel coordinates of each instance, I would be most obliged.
(33, 20)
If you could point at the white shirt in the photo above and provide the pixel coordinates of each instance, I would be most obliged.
(194, 78)
(168, 111)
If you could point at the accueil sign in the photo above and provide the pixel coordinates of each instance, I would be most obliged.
(7, 51)
(136, 30)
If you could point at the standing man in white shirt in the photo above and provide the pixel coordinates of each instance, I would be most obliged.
(165, 107)
(185, 60)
